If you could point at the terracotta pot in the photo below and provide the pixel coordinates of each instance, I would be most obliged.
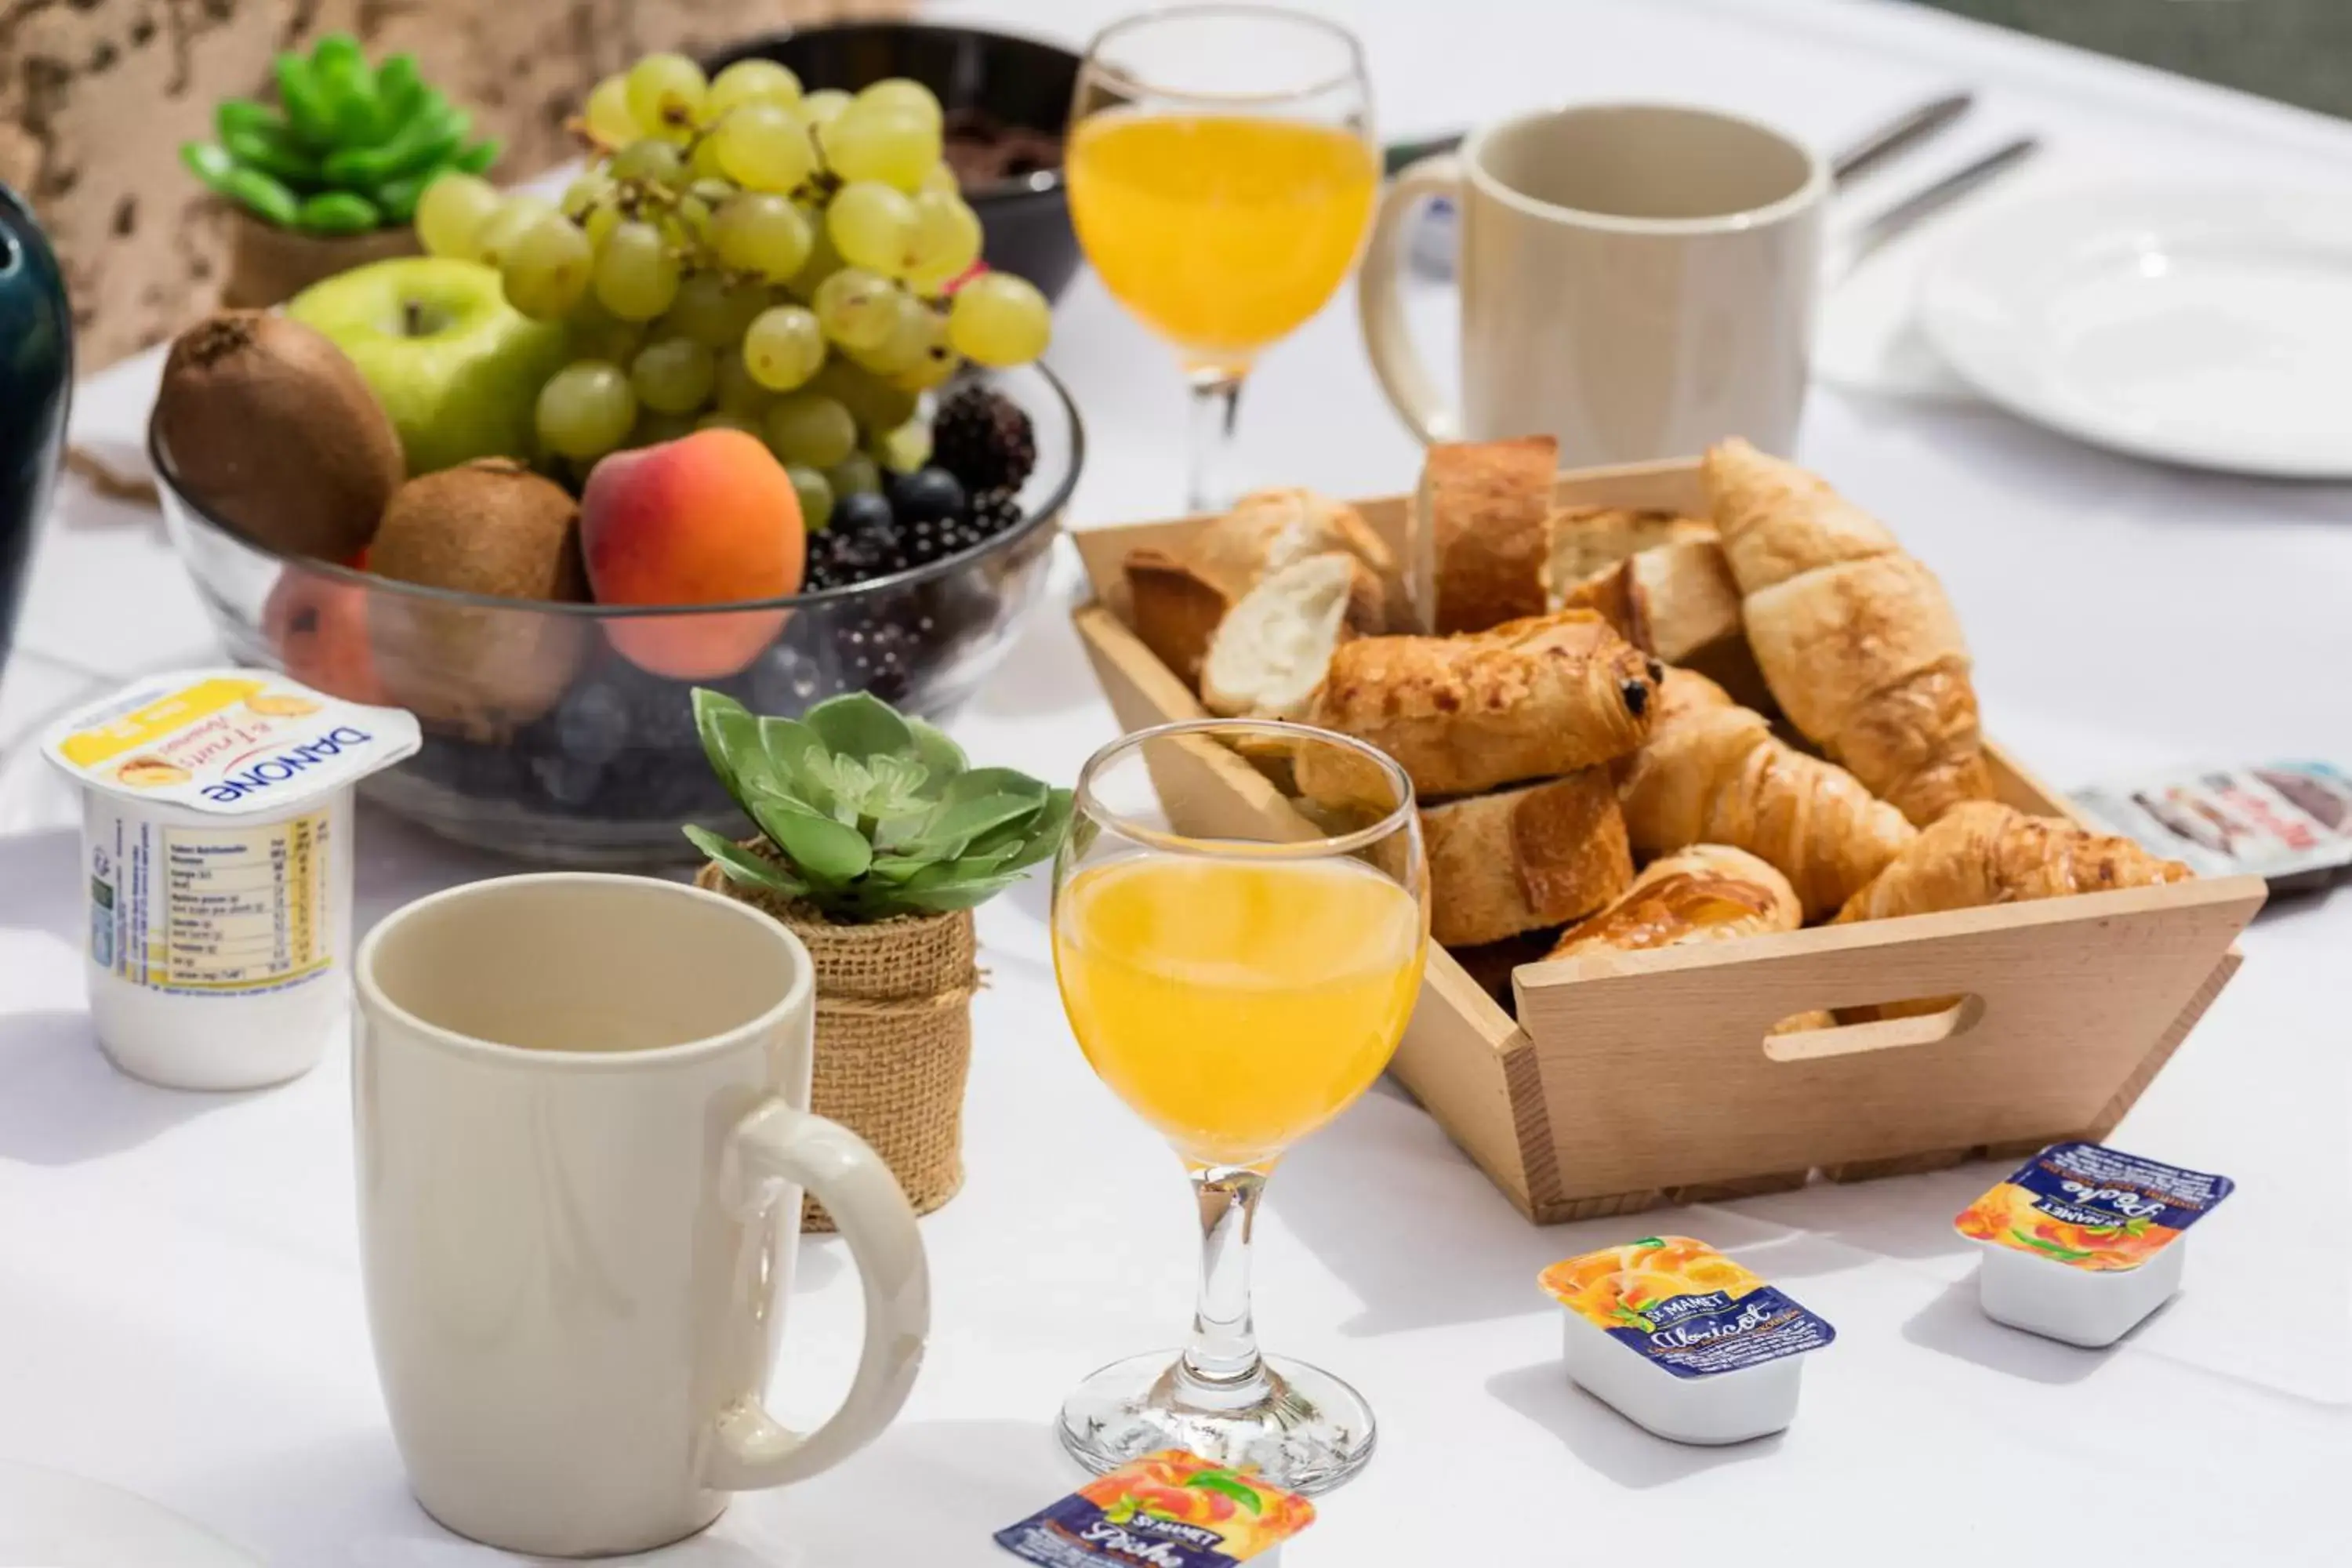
(893, 1035)
(268, 265)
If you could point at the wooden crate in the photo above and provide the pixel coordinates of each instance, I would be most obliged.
(1636, 1079)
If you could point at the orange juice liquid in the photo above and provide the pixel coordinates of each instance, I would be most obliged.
(1237, 1006)
(1223, 233)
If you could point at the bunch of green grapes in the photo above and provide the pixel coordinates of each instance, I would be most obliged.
(739, 252)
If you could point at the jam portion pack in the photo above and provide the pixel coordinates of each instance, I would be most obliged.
(1168, 1509)
(2288, 822)
(1683, 1307)
(2092, 1207)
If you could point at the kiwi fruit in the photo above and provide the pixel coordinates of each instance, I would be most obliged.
(268, 427)
(489, 527)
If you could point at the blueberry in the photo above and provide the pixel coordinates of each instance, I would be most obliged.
(799, 671)
(592, 723)
(926, 495)
(863, 512)
(568, 780)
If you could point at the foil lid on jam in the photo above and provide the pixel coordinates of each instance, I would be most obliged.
(2290, 821)
(1168, 1509)
(226, 743)
(2091, 1207)
(1683, 1307)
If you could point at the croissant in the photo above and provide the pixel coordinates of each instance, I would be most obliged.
(1531, 699)
(1985, 853)
(1713, 773)
(1706, 893)
(1856, 639)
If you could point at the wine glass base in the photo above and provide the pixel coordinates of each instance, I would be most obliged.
(1309, 1434)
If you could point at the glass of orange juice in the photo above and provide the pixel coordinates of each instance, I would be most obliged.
(1221, 177)
(1237, 974)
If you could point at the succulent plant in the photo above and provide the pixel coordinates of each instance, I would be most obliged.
(349, 149)
(871, 814)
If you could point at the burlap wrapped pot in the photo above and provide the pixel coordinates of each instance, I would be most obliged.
(893, 1036)
(268, 265)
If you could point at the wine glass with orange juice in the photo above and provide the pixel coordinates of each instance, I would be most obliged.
(1222, 176)
(1238, 977)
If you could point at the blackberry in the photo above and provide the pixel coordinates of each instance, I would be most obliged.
(993, 511)
(841, 555)
(984, 439)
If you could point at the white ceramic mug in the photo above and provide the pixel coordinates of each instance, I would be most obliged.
(584, 1130)
(1637, 279)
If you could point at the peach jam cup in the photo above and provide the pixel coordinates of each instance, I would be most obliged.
(1168, 1510)
(1681, 1341)
(2083, 1241)
(217, 868)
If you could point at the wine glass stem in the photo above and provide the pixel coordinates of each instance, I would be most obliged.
(1216, 402)
(1221, 1366)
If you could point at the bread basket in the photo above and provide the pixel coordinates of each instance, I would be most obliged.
(1630, 1080)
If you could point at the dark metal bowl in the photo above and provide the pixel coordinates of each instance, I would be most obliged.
(1024, 222)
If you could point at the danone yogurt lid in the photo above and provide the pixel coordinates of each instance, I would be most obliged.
(1685, 1307)
(2092, 1207)
(228, 743)
(1168, 1510)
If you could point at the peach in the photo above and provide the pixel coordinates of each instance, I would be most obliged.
(708, 519)
(318, 629)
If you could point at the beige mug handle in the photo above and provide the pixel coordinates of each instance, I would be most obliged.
(1404, 375)
(777, 1144)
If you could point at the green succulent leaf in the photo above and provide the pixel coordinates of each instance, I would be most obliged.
(861, 725)
(1046, 831)
(825, 851)
(939, 755)
(727, 732)
(870, 814)
(743, 867)
(951, 828)
(789, 746)
(956, 895)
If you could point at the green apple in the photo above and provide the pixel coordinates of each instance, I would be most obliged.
(456, 367)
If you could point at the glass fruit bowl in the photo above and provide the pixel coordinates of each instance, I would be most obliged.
(543, 739)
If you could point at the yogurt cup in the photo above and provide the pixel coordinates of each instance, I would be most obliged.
(217, 852)
(2083, 1241)
(1683, 1341)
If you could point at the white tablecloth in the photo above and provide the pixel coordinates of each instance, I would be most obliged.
(179, 1305)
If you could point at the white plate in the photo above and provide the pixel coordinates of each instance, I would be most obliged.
(51, 1519)
(2209, 327)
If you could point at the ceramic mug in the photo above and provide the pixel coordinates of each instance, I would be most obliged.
(1636, 279)
(584, 1130)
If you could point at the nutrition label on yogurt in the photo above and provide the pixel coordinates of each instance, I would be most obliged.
(216, 909)
(243, 904)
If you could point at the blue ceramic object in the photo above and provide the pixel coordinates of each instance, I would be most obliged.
(36, 390)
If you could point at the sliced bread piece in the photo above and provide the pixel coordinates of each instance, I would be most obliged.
(1524, 858)
(1175, 610)
(1581, 541)
(1479, 532)
(1270, 652)
(1269, 529)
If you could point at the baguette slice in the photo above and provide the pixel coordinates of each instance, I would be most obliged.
(1270, 652)
(1479, 532)
(1269, 529)
(1679, 602)
(1512, 862)
(1581, 541)
(1706, 893)
(1532, 699)
(1175, 610)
